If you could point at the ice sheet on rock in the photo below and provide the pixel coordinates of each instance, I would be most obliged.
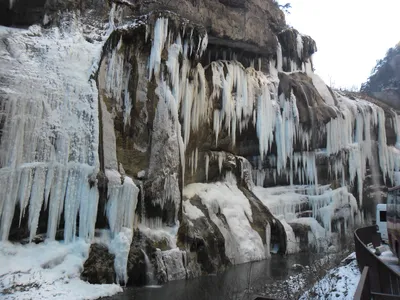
(167, 150)
(50, 270)
(292, 244)
(322, 89)
(164, 234)
(174, 261)
(120, 246)
(191, 211)
(242, 243)
(318, 236)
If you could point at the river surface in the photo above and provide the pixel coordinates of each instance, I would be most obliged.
(238, 282)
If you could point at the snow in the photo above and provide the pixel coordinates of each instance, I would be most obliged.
(340, 282)
(50, 270)
(191, 211)
(322, 89)
(242, 242)
(388, 257)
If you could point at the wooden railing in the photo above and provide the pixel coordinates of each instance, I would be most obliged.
(378, 280)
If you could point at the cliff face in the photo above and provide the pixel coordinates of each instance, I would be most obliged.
(195, 133)
(384, 82)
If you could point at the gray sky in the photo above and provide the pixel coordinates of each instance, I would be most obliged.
(350, 34)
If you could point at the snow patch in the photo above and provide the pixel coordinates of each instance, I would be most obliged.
(50, 270)
(191, 211)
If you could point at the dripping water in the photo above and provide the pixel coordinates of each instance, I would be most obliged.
(150, 278)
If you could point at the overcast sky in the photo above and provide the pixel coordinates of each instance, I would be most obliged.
(350, 34)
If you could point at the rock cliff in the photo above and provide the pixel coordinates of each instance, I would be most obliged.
(179, 136)
(384, 82)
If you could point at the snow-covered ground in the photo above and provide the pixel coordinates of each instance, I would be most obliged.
(339, 283)
(50, 270)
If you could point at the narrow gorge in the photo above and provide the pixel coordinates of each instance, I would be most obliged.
(167, 140)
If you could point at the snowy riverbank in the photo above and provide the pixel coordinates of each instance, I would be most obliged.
(50, 270)
(339, 283)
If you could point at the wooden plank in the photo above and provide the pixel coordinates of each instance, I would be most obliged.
(384, 296)
(361, 284)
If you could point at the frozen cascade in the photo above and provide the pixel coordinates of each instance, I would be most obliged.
(117, 81)
(49, 144)
(174, 93)
(122, 201)
(326, 205)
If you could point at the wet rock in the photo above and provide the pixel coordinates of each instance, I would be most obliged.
(301, 232)
(136, 267)
(297, 267)
(248, 26)
(99, 267)
(161, 271)
(202, 236)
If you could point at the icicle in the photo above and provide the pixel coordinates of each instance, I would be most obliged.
(196, 157)
(159, 39)
(221, 158)
(299, 40)
(279, 58)
(122, 201)
(207, 166)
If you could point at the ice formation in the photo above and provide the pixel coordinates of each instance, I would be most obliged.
(122, 201)
(48, 151)
(52, 118)
(242, 242)
(120, 246)
(322, 204)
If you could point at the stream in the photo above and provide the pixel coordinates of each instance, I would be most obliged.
(238, 282)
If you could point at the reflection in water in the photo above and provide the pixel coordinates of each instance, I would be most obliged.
(238, 282)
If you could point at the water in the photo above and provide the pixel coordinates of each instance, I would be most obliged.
(238, 282)
(149, 270)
